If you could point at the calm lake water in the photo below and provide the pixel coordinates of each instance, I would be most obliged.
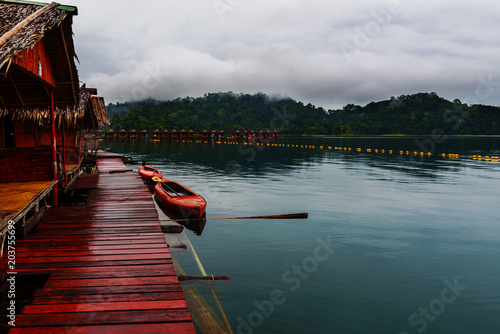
(393, 244)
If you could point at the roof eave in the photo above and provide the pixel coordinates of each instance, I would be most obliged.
(70, 9)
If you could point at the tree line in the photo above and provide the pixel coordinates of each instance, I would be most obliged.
(416, 114)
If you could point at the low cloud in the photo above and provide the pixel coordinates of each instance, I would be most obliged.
(323, 53)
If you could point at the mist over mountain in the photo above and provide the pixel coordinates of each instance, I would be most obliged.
(416, 114)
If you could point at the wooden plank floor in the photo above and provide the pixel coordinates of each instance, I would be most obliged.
(15, 195)
(110, 165)
(109, 267)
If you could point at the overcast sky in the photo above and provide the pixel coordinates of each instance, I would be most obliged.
(325, 52)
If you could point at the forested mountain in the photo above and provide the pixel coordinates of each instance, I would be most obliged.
(417, 114)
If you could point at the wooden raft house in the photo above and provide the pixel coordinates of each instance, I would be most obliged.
(39, 93)
(43, 110)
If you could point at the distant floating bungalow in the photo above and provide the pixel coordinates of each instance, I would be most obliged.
(220, 134)
(110, 133)
(203, 134)
(164, 134)
(122, 133)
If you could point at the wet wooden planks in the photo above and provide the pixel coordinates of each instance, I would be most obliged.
(111, 165)
(110, 270)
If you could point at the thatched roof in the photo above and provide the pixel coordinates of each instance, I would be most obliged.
(13, 14)
(23, 95)
(94, 110)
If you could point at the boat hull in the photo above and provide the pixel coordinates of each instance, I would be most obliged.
(148, 172)
(180, 199)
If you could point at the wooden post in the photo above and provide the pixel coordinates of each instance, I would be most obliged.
(64, 153)
(80, 143)
(54, 143)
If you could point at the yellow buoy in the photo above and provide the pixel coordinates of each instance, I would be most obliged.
(407, 152)
(400, 152)
(358, 149)
(368, 150)
(329, 147)
(487, 158)
(321, 147)
(383, 151)
(390, 151)
(376, 150)
(429, 154)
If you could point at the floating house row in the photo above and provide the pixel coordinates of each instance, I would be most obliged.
(217, 134)
(254, 134)
(43, 108)
(157, 134)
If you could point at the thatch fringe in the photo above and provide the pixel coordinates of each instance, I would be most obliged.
(72, 115)
(41, 116)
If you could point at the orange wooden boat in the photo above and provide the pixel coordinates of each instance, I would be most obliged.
(178, 198)
(148, 172)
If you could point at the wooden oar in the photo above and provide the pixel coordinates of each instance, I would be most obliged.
(204, 278)
(285, 216)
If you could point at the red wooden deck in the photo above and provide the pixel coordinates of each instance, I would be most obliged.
(110, 270)
(111, 165)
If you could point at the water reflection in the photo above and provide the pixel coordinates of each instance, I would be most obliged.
(195, 225)
(261, 158)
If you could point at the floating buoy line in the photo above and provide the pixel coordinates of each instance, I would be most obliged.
(360, 150)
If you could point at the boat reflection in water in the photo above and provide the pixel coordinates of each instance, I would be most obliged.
(196, 225)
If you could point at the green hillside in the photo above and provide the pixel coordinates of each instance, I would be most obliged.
(417, 114)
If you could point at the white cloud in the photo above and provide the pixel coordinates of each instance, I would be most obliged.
(169, 49)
